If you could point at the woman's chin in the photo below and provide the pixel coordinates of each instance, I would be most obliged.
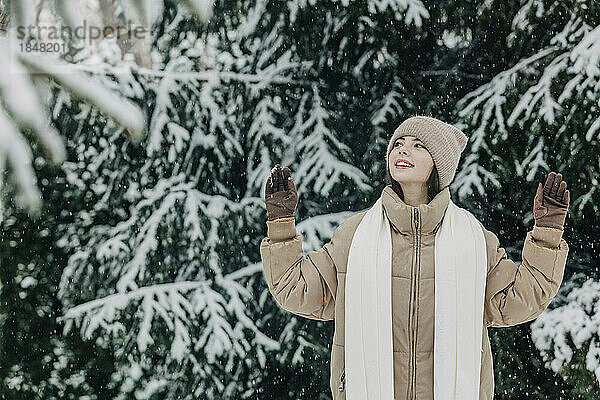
(402, 174)
(405, 180)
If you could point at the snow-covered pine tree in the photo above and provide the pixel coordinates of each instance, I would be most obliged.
(24, 120)
(540, 113)
(568, 335)
(164, 241)
(35, 362)
(163, 238)
(546, 101)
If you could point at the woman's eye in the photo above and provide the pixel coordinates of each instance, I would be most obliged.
(418, 144)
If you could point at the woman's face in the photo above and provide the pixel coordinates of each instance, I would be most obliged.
(411, 149)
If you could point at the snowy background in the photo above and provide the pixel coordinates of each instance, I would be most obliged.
(132, 179)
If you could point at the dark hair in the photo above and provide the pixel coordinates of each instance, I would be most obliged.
(433, 184)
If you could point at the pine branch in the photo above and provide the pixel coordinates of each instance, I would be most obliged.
(125, 298)
(209, 75)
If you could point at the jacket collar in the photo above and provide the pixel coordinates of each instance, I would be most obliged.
(401, 215)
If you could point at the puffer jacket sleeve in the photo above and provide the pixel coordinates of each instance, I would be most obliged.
(303, 285)
(520, 293)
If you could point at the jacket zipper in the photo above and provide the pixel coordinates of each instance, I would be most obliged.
(413, 316)
(342, 381)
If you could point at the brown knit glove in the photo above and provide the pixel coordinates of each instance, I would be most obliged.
(550, 204)
(281, 197)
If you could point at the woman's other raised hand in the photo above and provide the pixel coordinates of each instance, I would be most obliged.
(551, 202)
(281, 196)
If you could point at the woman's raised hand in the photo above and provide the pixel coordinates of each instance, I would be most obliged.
(281, 196)
(551, 202)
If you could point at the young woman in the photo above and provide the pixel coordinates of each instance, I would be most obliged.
(414, 230)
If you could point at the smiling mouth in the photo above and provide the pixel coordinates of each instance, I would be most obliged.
(403, 166)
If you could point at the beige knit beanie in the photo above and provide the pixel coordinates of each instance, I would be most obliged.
(444, 142)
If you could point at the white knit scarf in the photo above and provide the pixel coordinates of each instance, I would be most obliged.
(460, 272)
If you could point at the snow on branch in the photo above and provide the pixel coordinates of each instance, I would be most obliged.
(16, 155)
(123, 111)
(472, 175)
(263, 135)
(409, 11)
(484, 104)
(389, 106)
(190, 76)
(577, 322)
(571, 62)
(315, 229)
(23, 109)
(169, 302)
(217, 308)
(320, 151)
(105, 307)
(484, 109)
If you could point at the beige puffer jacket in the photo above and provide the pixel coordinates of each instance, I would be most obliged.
(312, 286)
